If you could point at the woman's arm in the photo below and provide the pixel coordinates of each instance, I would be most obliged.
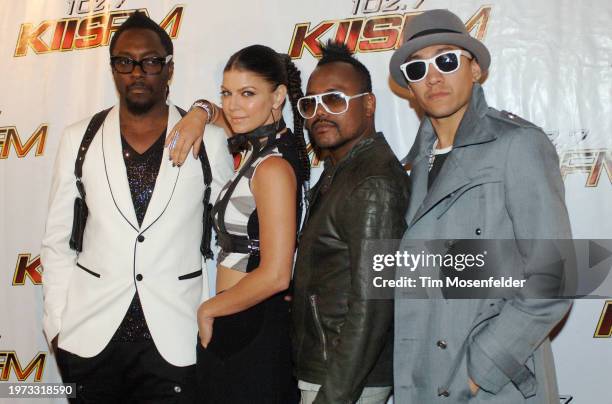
(189, 130)
(274, 187)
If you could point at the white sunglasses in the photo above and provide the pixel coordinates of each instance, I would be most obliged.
(446, 62)
(334, 102)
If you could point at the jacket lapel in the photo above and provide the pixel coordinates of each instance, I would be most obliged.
(452, 176)
(166, 178)
(418, 158)
(114, 166)
(418, 176)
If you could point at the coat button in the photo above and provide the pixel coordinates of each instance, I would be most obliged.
(478, 231)
(141, 238)
(443, 392)
(139, 277)
(442, 344)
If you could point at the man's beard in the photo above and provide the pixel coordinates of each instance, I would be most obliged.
(139, 108)
(141, 105)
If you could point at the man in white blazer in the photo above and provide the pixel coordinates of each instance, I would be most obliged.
(123, 311)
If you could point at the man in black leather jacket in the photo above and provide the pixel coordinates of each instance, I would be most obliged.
(342, 337)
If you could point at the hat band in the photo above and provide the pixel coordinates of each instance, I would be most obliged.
(433, 31)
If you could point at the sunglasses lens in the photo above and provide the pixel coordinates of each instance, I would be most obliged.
(335, 103)
(447, 62)
(122, 65)
(415, 71)
(152, 65)
(306, 107)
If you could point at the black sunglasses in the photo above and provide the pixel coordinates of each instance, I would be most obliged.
(151, 65)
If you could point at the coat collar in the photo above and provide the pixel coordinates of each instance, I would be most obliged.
(468, 132)
(363, 145)
(330, 170)
(453, 176)
(117, 175)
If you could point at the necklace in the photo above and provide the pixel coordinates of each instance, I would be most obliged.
(433, 152)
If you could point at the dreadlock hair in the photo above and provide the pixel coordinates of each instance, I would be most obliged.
(276, 69)
(140, 20)
(338, 52)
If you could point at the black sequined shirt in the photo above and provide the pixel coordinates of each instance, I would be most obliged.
(142, 170)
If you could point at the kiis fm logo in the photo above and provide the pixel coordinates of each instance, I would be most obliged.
(27, 267)
(370, 34)
(590, 161)
(9, 138)
(84, 32)
(10, 364)
(604, 326)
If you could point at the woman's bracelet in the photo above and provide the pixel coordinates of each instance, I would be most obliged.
(209, 107)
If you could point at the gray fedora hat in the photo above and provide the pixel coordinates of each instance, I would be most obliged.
(436, 27)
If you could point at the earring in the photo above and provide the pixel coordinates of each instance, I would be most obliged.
(274, 119)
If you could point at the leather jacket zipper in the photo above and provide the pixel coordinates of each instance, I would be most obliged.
(317, 321)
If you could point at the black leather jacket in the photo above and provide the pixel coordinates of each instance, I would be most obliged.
(343, 339)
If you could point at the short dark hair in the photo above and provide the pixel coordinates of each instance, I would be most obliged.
(140, 20)
(338, 52)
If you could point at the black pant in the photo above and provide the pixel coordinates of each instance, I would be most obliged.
(248, 360)
(127, 372)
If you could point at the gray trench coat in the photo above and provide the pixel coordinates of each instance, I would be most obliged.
(500, 181)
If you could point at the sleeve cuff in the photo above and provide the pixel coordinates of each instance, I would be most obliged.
(486, 374)
(483, 372)
(51, 328)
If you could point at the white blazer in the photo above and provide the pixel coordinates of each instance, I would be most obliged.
(87, 295)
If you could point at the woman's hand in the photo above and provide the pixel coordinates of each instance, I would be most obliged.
(186, 135)
(205, 326)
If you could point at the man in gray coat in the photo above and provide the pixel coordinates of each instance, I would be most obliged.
(477, 174)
